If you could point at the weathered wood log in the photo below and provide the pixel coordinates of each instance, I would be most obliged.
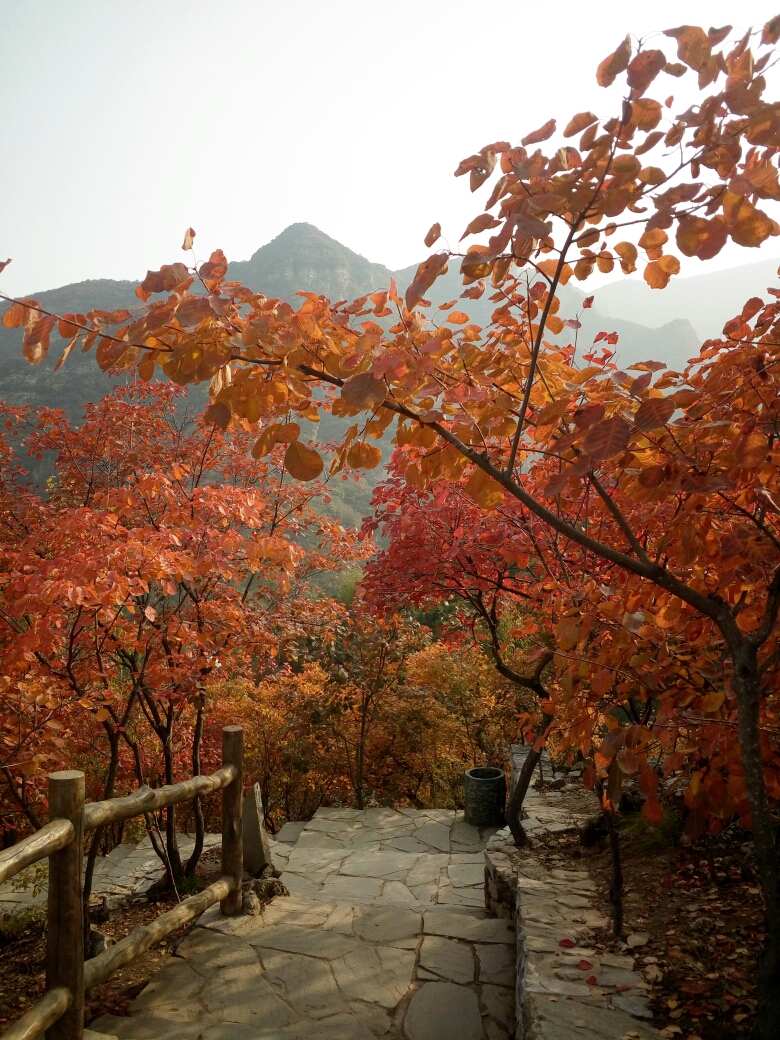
(65, 932)
(39, 1018)
(147, 799)
(232, 823)
(48, 840)
(100, 968)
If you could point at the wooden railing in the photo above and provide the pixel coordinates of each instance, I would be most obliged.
(60, 1012)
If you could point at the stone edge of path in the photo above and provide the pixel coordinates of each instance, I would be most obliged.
(551, 1001)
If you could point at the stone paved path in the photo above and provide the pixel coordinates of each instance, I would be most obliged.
(384, 935)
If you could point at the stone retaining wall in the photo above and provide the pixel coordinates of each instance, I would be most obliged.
(566, 987)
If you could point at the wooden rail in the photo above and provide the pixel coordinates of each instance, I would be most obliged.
(148, 799)
(142, 938)
(49, 839)
(60, 1013)
(44, 1014)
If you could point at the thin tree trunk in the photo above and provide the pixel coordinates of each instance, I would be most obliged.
(24, 805)
(197, 808)
(747, 683)
(94, 845)
(359, 757)
(173, 865)
(515, 807)
(616, 881)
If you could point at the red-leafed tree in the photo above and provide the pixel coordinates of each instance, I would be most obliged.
(164, 552)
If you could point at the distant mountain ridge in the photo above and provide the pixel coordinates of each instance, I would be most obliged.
(304, 258)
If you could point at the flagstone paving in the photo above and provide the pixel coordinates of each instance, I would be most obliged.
(384, 935)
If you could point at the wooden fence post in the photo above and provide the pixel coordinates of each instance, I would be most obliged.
(232, 825)
(65, 938)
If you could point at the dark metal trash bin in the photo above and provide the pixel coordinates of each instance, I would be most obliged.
(485, 796)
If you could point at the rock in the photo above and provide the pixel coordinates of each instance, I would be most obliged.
(465, 874)
(384, 924)
(465, 926)
(638, 939)
(499, 1004)
(496, 964)
(437, 835)
(314, 942)
(175, 988)
(593, 830)
(251, 904)
(631, 800)
(242, 994)
(442, 1009)
(291, 831)
(208, 951)
(98, 942)
(304, 982)
(447, 958)
(375, 974)
(257, 852)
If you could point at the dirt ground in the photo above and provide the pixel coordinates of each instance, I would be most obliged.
(704, 930)
(23, 967)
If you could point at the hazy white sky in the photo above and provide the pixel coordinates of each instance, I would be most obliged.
(125, 121)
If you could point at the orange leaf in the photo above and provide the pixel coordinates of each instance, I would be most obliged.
(645, 113)
(364, 456)
(302, 462)
(566, 633)
(480, 223)
(750, 450)
(701, 238)
(614, 63)
(189, 238)
(607, 438)
(542, 134)
(643, 70)
(458, 318)
(363, 391)
(18, 315)
(627, 252)
(652, 415)
(747, 225)
(579, 122)
(485, 491)
(713, 701)
(434, 234)
(427, 273)
(655, 276)
(694, 47)
(653, 812)
(771, 31)
(219, 414)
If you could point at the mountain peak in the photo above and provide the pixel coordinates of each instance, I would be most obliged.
(304, 258)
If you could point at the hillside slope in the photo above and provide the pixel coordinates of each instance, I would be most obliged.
(707, 301)
(673, 342)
